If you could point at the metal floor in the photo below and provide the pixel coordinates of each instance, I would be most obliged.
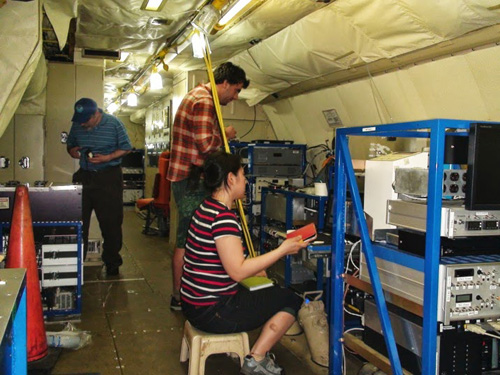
(133, 330)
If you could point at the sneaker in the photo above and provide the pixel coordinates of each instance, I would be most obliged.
(175, 304)
(265, 367)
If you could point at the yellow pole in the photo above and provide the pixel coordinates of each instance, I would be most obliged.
(239, 204)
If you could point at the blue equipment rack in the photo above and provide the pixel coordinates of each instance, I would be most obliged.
(344, 177)
(79, 242)
(289, 197)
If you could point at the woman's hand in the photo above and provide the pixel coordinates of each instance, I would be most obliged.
(293, 245)
(262, 273)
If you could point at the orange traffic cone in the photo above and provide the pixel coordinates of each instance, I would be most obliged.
(21, 254)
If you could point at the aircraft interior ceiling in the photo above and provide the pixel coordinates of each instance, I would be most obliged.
(373, 61)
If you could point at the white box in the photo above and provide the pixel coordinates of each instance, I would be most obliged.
(59, 254)
(379, 177)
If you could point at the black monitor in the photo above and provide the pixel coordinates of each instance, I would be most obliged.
(483, 179)
(134, 159)
(455, 149)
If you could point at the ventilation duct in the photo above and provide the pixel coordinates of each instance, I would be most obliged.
(101, 54)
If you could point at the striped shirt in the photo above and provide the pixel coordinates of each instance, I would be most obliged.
(108, 136)
(204, 280)
(195, 133)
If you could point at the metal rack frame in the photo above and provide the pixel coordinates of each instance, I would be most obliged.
(289, 197)
(344, 177)
(79, 242)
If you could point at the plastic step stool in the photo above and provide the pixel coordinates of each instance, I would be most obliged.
(198, 345)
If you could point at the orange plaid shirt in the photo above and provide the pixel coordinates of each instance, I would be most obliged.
(195, 133)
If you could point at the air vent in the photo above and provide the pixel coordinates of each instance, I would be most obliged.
(160, 21)
(101, 54)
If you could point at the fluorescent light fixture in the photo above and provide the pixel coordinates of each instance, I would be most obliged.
(235, 9)
(155, 80)
(206, 19)
(199, 44)
(132, 100)
(112, 108)
(153, 5)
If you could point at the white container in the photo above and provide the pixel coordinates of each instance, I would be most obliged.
(313, 320)
(64, 339)
(320, 189)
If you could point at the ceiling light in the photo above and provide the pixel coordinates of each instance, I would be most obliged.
(132, 100)
(231, 13)
(153, 5)
(112, 108)
(206, 19)
(155, 80)
(199, 44)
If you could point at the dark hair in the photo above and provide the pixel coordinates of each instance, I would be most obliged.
(217, 167)
(231, 73)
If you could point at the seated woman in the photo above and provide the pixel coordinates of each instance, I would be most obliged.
(212, 299)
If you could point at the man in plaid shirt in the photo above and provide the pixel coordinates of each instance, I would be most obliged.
(195, 135)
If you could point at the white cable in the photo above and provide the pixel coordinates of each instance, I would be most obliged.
(347, 242)
(343, 361)
(349, 258)
(353, 329)
(343, 349)
(353, 314)
(491, 326)
(474, 328)
(495, 325)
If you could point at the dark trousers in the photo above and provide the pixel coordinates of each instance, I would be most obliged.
(244, 311)
(103, 193)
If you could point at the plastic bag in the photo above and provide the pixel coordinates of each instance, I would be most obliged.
(70, 337)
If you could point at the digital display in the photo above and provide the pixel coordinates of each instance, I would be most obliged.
(463, 298)
(465, 272)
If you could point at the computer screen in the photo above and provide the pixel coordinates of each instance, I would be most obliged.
(483, 179)
(134, 159)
